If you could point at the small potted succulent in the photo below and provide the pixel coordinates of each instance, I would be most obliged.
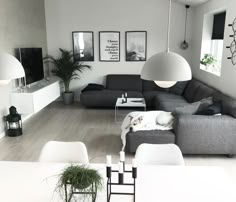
(77, 179)
(67, 69)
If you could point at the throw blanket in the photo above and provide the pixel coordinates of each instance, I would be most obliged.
(152, 120)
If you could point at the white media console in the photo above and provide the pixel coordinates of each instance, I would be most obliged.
(32, 99)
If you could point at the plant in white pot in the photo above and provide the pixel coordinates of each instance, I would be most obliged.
(67, 69)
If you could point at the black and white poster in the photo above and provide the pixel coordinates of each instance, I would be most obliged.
(83, 46)
(109, 45)
(136, 45)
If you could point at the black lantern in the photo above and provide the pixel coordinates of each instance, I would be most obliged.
(13, 123)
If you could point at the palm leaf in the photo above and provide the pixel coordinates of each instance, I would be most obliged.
(65, 67)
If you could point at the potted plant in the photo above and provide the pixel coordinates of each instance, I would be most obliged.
(77, 179)
(67, 69)
(208, 60)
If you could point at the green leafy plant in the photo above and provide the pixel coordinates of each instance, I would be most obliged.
(80, 178)
(208, 59)
(66, 68)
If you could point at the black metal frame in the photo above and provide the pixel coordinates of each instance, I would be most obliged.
(126, 43)
(120, 182)
(101, 32)
(74, 46)
(73, 191)
(233, 43)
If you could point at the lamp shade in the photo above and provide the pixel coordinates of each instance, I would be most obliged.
(10, 68)
(168, 67)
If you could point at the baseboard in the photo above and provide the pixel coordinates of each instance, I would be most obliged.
(2, 134)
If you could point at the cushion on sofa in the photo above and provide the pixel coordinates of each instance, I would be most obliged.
(92, 87)
(150, 97)
(211, 110)
(124, 82)
(105, 98)
(191, 90)
(169, 102)
(188, 109)
(203, 92)
(205, 102)
(134, 139)
(229, 107)
(179, 87)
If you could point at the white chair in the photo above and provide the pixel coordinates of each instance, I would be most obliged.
(64, 152)
(159, 154)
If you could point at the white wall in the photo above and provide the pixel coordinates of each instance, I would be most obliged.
(226, 82)
(22, 24)
(63, 17)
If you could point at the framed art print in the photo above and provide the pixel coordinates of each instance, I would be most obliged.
(109, 46)
(83, 47)
(136, 45)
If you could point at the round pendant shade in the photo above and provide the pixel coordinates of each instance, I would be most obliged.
(166, 66)
(165, 84)
(10, 68)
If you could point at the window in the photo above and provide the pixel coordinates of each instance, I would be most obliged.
(213, 43)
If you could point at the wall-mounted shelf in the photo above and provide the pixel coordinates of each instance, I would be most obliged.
(33, 99)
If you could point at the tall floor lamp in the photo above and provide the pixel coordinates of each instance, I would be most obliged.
(10, 68)
(166, 68)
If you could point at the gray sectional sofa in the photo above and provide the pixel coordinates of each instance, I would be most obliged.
(117, 84)
(194, 134)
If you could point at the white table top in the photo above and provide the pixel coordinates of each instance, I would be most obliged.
(131, 102)
(36, 182)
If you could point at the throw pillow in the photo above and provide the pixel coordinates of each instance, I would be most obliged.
(211, 110)
(188, 109)
(93, 86)
(229, 107)
(205, 103)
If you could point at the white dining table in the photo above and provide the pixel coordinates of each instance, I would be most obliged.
(36, 182)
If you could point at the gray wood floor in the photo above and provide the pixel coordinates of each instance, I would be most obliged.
(95, 127)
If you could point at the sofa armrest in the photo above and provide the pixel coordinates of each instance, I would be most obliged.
(197, 134)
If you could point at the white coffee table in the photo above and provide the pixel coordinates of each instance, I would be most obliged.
(131, 103)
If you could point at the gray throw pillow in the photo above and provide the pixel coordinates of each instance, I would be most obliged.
(188, 109)
(229, 107)
(204, 103)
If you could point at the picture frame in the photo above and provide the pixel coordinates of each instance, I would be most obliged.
(136, 46)
(83, 45)
(109, 46)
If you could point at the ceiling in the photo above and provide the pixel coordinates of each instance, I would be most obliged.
(192, 2)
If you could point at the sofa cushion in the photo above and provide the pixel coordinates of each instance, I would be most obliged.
(150, 97)
(203, 92)
(151, 86)
(124, 82)
(93, 87)
(134, 139)
(179, 87)
(168, 101)
(204, 103)
(188, 109)
(211, 110)
(229, 107)
(105, 98)
(191, 89)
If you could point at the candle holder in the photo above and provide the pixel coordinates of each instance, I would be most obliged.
(120, 182)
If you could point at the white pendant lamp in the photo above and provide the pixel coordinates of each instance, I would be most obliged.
(166, 68)
(10, 68)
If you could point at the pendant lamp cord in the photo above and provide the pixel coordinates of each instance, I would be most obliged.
(186, 18)
(168, 31)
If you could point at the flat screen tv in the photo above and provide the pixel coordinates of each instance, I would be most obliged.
(32, 61)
